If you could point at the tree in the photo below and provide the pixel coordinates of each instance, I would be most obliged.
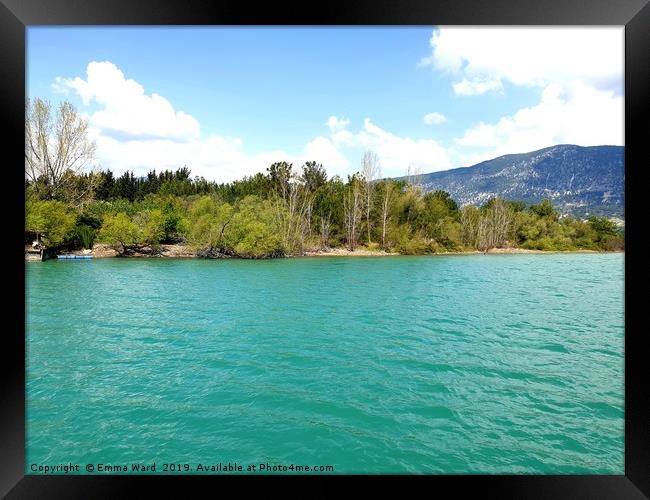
(151, 226)
(370, 171)
(280, 175)
(209, 221)
(125, 186)
(120, 232)
(51, 220)
(254, 232)
(413, 177)
(328, 209)
(55, 147)
(603, 226)
(494, 225)
(292, 201)
(545, 209)
(352, 210)
(105, 186)
(313, 176)
(387, 190)
(608, 235)
(436, 208)
(469, 223)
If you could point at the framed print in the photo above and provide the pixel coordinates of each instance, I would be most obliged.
(354, 241)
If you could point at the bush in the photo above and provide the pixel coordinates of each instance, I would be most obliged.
(85, 235)
(403, 241)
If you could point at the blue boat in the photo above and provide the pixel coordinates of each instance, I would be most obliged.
(74, 256)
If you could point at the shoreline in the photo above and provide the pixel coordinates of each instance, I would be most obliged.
(176, 251)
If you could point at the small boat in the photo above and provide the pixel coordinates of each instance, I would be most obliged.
(74, 256)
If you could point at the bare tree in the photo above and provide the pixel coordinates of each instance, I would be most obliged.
(352, 211)
(387, 194)
(325, 228)
(414, 177)
(494, 225)
(293, 206)
(56, 147)
(469, 221)
(371, 171)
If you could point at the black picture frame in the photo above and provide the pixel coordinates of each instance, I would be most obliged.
(15, 15)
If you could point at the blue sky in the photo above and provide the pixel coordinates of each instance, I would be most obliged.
(233, 99)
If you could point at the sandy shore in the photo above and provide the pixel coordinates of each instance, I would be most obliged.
(362, 252)
(344, 252)
(177, 251)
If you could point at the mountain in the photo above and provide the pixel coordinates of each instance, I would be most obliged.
(580, 181)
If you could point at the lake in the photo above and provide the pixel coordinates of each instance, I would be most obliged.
(489, 364)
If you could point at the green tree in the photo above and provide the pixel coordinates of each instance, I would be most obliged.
(435, 215)
(208, 223)
(151, 227)
(120, 232)
(254, 232)
(603, 226)
(280, 175)
(545, 209)
(608, 236)
(328, 211)
(470, 218)
(313, 175)
(51, 220)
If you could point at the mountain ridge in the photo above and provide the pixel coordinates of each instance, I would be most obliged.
(579, 180)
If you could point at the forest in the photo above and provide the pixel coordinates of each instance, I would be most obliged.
(285, 211)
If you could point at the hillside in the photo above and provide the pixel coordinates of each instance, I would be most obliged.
(579, 180)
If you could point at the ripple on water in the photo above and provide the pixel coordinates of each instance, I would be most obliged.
(484, 364)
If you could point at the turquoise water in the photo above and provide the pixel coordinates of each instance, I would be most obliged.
(445, 364)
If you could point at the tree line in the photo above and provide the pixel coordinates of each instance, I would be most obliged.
(285, 211)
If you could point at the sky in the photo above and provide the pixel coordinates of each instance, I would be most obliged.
(228, 101)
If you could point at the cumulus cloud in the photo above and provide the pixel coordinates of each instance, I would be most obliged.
(579, 103)
(395, 153)
(216, 158)
(126, 111)
(477, 86)
(577, 73)
(223, 159)
(484, 57)
(572, 114)
(337, 124)
(138, 131)
(434, 118)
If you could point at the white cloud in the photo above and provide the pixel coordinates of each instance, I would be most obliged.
(572, 114)
(395, 153)
(576, 71)
(336, 124)
(215, 158)
(323, 150)
(476, 86)
(139, 132)
(223, 159)
(434, 118)
(126, 111)
(483, 57)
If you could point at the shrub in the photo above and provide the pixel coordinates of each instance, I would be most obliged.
(85, 235)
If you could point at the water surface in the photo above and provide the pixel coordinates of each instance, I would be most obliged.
(445, 364)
